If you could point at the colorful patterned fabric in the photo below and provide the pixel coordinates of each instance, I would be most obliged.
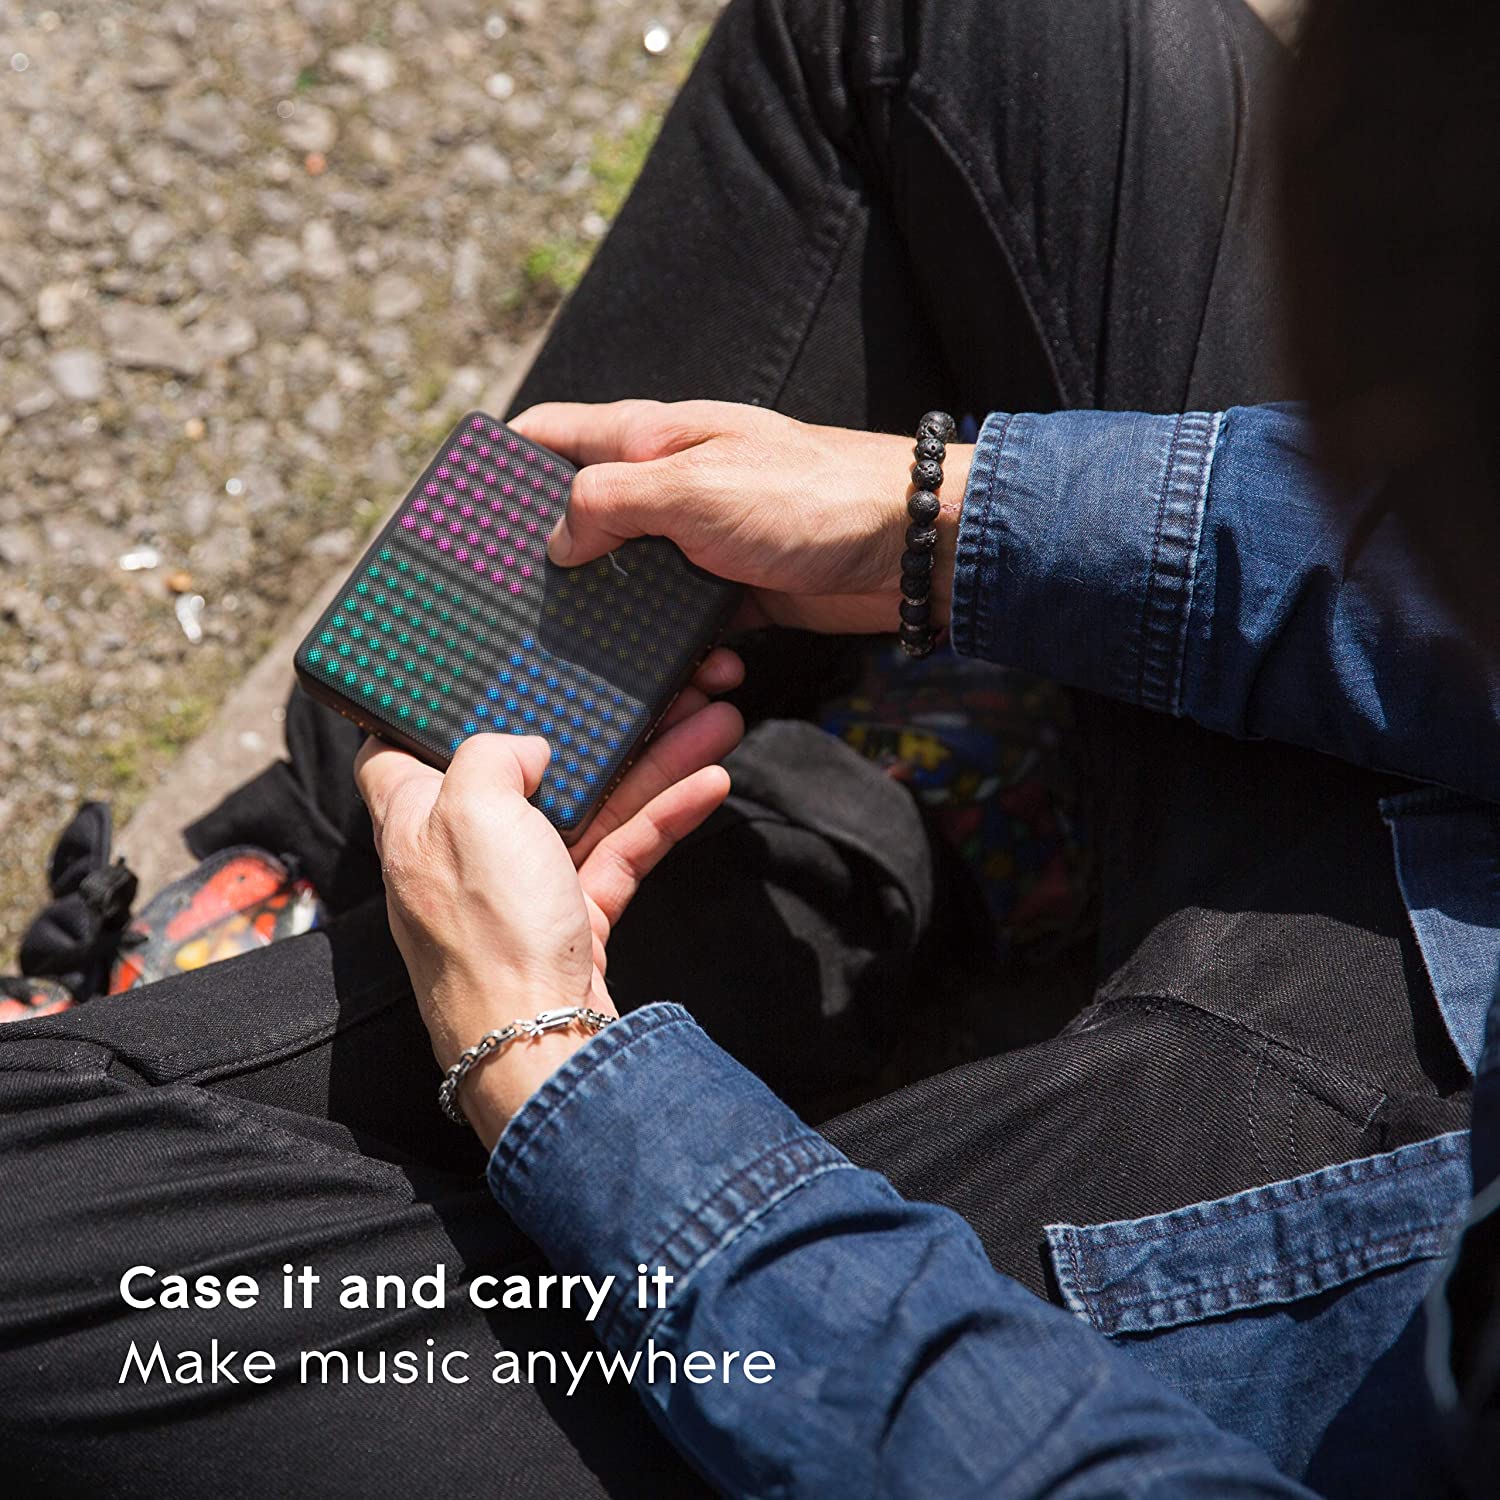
(236, 901)
(986, 752)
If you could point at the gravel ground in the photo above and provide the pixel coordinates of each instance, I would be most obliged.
(254, 256)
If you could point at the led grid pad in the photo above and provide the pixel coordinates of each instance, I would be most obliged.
(455, 623)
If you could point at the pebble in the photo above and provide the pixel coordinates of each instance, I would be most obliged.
(12, 314)
(54, 306)
(310, 127)
(148, 338)
(321, 256)
(326, 414)
(372, 68)
(394, 296)
(224, 336)
(275, 258)
(78, 374)
(149, 238)
(205, 125)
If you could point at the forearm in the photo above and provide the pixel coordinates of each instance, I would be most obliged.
(903, 1363)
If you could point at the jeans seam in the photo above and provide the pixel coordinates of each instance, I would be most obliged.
(1030, 285)
(1250, 1042)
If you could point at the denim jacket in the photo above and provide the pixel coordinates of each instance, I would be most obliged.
(1227, 1348)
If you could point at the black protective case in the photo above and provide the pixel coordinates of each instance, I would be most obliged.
(455, 623)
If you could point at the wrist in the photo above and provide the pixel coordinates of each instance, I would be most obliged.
(495, 1091)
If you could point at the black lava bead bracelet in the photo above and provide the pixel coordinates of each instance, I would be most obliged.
(917, 635)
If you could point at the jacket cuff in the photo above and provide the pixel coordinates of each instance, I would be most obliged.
(1078, 547)
(649, 1145)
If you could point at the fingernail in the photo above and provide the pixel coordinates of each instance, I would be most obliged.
(560, 543)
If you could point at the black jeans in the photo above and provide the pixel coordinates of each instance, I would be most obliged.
(855, 212)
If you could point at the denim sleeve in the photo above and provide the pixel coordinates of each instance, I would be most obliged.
(1200, 565)
(904, 1364)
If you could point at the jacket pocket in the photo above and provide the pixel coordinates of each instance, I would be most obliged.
(1290, 1312)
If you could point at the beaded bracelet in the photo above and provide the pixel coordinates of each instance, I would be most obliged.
(917, 635)
(549, 1020)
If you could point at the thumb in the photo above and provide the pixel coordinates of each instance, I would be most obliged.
(609, 504)
(485, 762)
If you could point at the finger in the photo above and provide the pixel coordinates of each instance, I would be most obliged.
(391, 781)
(488, 762)
(610, 503)
(585, 433)
(721, 671)
(672, 756)
(687, 703)
(613, 872)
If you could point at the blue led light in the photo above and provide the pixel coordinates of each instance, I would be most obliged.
(493, 694)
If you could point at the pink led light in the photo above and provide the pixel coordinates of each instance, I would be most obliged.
(510, 559)
(508, 487)
(461, 553)
(515, 586)
(467, 511)
(484, 450)
(454, 527)
(490, 549)
(419, 506)
(467, 440)
(479, 565)
(525, 570)
(442, 471)
(407, 522)
(432, 489)
(502, 532)
(518, 471)
(513, 445)
(484, 520)
(443, 544)
(531, 527)
(473, 539)
(491, 477)
(427, 533)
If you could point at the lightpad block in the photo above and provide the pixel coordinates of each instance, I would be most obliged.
(455, 623)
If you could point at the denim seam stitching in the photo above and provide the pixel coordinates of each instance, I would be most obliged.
(538, 1111)
(1424, 1155)
(1194, 546)
(1426, 1242)
(687, 1270)
(1143, 617)
(978, 557)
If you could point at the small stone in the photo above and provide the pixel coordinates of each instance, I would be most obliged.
(149, 238)
(54, 306)
(481, 162)
(153, 63)
(204, 125)
(394, 296)
(468, 263)
(335, 546)
(78, 374)
(326, 414)
(12, 315)
(146, 338)
(34, 402)
(224, 336)
(310, 127)
(372, 68)
(321, 256)
(179, 581)
(195, 429)
(283, 315)
(275, 258)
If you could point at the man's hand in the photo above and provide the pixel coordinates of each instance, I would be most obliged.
(496, 918)
(812, 518)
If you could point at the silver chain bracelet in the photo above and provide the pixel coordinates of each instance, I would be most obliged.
(549, 1020)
